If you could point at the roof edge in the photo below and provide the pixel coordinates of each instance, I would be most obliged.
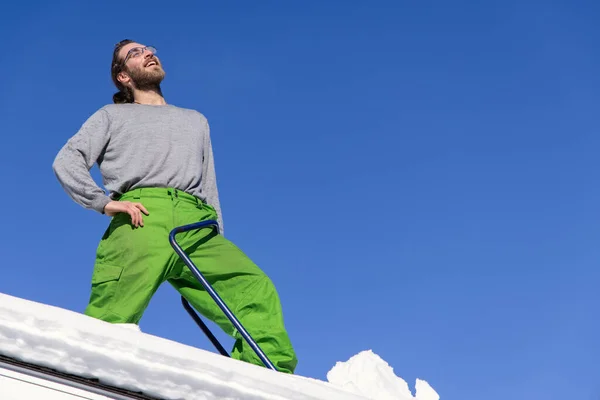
(89, 385)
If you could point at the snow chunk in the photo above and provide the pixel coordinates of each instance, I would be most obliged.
(368, 375)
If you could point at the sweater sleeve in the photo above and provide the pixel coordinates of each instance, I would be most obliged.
(209, 178)
(73, 162)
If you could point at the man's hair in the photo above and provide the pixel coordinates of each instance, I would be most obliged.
(125, 94)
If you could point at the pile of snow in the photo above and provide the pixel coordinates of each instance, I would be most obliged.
(124, 357)
(368, 375)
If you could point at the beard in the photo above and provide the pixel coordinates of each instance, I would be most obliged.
(147, 78)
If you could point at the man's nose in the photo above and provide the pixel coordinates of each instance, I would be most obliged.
(148, 53)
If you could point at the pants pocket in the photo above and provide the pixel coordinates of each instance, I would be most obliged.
(104, 273)
(104, 293)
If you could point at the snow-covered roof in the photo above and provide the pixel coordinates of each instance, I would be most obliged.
(70, 347)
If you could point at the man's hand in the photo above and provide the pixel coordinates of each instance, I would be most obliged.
(135, 210)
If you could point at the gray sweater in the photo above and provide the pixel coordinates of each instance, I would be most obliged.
(139, 146)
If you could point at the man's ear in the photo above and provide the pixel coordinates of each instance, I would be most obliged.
(123, 77)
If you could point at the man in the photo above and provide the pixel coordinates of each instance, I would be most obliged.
(156, 161)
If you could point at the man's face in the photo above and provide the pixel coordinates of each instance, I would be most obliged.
(142, 68)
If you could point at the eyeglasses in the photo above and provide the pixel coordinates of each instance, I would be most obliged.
(138, 51)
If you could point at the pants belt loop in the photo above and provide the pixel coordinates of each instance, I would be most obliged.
(137, 194)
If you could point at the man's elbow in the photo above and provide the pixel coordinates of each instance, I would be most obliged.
(57, 166)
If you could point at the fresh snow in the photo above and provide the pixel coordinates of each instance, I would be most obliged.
(124, 357)
(367, 374)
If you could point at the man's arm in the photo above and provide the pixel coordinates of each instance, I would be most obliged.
(73, 162)
(209, 178)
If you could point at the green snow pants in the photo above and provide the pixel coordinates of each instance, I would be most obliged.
(131, 263)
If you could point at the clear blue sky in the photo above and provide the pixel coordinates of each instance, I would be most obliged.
(420, 180)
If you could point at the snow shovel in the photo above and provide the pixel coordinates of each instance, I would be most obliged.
(213, 294)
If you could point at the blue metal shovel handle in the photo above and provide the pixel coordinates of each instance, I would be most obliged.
(203, 327)
(210, 290)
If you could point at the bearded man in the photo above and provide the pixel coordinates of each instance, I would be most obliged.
(156, 161)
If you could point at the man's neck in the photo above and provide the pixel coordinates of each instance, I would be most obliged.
(148, 97)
